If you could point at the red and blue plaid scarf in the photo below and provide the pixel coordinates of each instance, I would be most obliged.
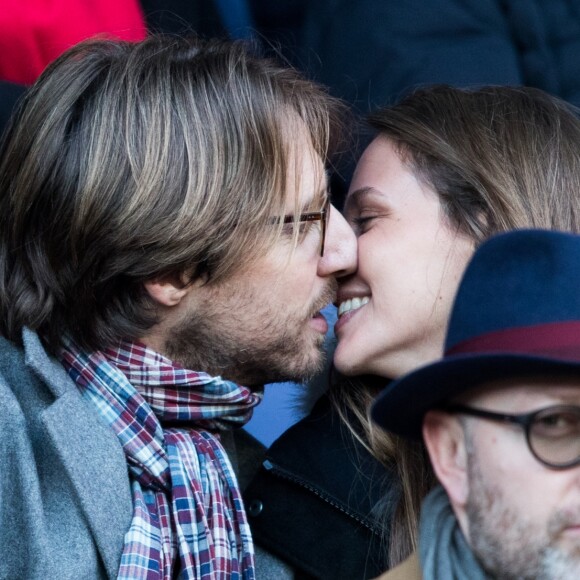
(188, 516)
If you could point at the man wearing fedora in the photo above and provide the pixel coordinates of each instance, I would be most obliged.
(500, 417)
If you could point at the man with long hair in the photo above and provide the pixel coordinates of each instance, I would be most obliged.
(166, 245)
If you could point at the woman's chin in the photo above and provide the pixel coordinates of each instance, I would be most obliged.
(345, 363)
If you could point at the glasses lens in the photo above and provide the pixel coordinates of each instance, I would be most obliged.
(555, 436)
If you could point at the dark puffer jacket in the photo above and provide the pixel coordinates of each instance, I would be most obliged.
(312, 502)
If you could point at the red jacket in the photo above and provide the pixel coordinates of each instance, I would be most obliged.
(35, 32)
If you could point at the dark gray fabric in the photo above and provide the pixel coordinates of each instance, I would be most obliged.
(183, 17)
(443, 549)
(269, 566)
(247, 454)
(65, 500)
(375, 52)
(9, 96)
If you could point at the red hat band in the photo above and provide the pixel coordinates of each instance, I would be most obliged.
(555, 340)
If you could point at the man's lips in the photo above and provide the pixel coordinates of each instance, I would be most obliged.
(572, 530)
(566, 524)
(318, 322)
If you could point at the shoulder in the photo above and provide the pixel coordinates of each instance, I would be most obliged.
(15, 379)
(10, 354)
(410, 569)
(29, 374)
(63, 473)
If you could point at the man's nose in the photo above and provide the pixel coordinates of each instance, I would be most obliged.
(339, 257)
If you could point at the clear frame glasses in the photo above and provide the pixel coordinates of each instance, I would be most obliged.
(552, 433)
(322, 216)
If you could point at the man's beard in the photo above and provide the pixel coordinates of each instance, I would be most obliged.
(242, 339)
(510, 545)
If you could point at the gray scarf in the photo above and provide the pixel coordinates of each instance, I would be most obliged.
(443, 549)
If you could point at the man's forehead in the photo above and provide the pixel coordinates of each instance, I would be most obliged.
(522, 394)
(311, 192)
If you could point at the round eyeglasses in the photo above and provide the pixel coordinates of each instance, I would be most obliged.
(322, 216)
(552, 433)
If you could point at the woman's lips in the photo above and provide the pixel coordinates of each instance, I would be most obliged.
(348, 309)
(352, 304)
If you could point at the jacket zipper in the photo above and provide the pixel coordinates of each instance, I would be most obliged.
(287, 475)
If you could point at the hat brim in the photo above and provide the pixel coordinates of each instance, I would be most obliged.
(401, 406)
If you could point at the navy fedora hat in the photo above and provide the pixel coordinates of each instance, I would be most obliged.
(516, 313)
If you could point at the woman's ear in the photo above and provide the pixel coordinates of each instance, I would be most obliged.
(445, 441)
(167, 291)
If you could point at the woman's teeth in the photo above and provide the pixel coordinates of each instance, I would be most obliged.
(352, 304)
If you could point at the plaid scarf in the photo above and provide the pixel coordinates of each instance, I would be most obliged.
(188, 516)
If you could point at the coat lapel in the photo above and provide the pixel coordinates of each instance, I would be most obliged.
(91, 456)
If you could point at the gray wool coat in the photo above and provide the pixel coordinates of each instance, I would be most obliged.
(65, 500)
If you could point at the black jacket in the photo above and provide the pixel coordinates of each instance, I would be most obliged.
(311, 504)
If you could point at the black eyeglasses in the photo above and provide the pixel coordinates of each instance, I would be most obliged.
(552, 433)
(322, 216)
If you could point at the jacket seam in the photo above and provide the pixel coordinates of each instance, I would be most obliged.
(285, 474)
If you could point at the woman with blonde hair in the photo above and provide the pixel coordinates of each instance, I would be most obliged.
(447, 169)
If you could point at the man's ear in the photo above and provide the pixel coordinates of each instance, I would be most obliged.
(168, 291)
(445, 441)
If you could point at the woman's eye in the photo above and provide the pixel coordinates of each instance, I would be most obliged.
(362, 222)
